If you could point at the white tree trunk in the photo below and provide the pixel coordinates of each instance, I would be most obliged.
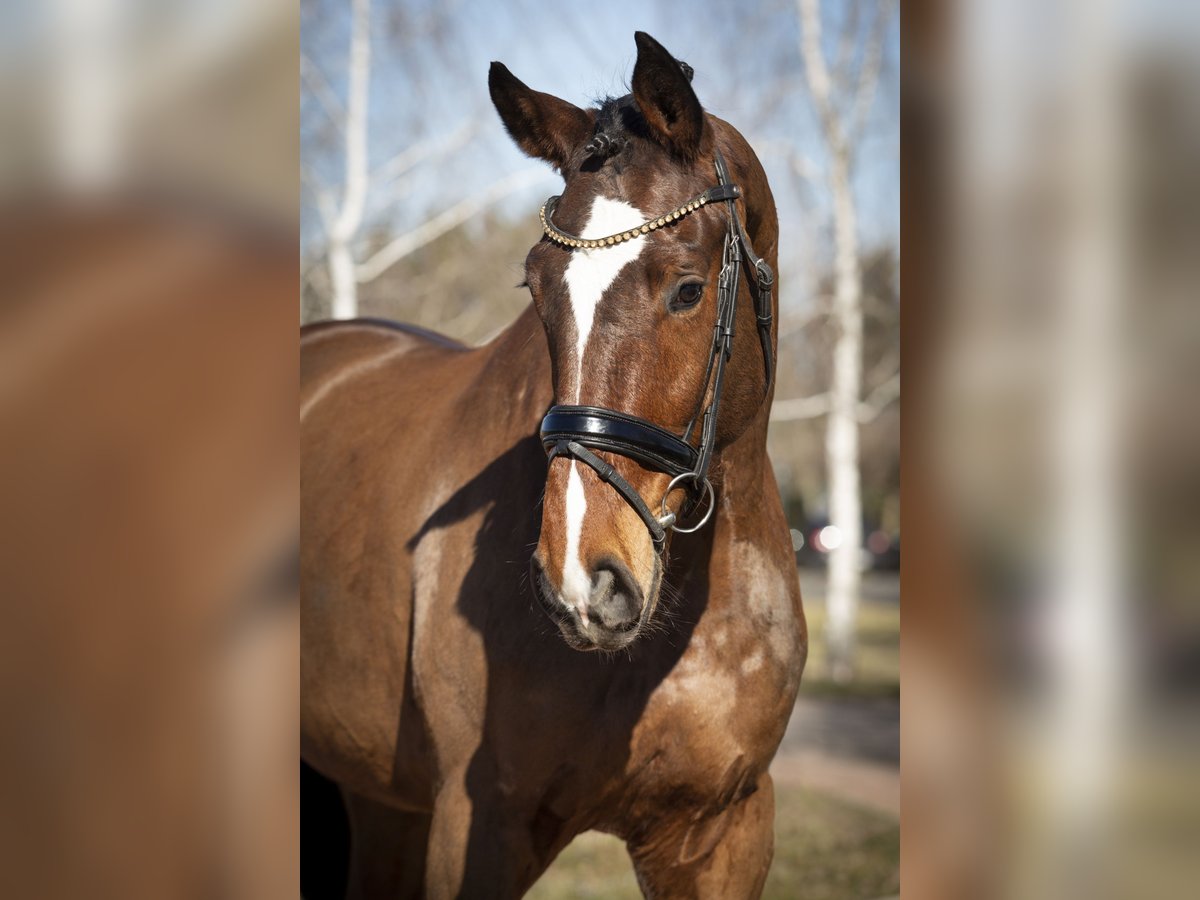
(354, 195)
(342, 280)
(841, 435)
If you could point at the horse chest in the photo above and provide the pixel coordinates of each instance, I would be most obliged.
(717, 711)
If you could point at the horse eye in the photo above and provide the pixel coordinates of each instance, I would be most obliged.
(688, 295)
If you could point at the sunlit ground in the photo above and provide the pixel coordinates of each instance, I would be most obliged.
(837, 831)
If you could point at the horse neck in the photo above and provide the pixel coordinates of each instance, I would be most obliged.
(518, 371)
(739, 479)
(740, 467)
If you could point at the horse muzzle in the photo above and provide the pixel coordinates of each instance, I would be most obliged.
(610, 618)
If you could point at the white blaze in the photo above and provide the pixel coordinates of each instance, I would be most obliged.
(588, 276)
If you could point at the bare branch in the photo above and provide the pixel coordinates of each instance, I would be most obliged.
(800, 408)
(887, 366)
(354, 198)
(802, 166)
(847, 42)
(868, 74)
(318, 84)
(817, 73)
(422, 150)
(878, 400)
(446, 221)
(790, 325)
(322, 195)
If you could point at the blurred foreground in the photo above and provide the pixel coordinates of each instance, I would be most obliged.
(1050, 439)
(148, 487)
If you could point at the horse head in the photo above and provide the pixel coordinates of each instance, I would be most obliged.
(657, 346)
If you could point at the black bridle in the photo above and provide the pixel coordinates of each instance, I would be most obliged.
(575, 431)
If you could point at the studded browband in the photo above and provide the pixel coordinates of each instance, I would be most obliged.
(556, 234)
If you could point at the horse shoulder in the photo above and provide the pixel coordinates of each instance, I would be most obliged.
(716, 720)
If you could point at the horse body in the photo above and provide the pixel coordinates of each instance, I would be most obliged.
(470, 741)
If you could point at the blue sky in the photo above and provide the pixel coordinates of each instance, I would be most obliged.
(430, 77)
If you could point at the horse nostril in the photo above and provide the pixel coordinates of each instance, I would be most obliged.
(603, 584)
(616, 598)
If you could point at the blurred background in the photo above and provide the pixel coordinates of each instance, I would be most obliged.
(417, 207)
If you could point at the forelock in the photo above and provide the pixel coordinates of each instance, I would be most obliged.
(618, 120)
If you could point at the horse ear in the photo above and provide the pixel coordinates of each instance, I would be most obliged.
(541, 124)
(663, 93)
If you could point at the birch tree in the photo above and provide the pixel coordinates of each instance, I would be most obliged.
(842, 104)
(366, 197)
(343, 224)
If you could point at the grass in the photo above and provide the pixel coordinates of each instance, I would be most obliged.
(825, 849)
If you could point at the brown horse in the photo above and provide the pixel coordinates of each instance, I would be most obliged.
(470, 742)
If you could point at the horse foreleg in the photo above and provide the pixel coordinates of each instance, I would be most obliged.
(387, 851)
(478, 847)
(723, 856)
